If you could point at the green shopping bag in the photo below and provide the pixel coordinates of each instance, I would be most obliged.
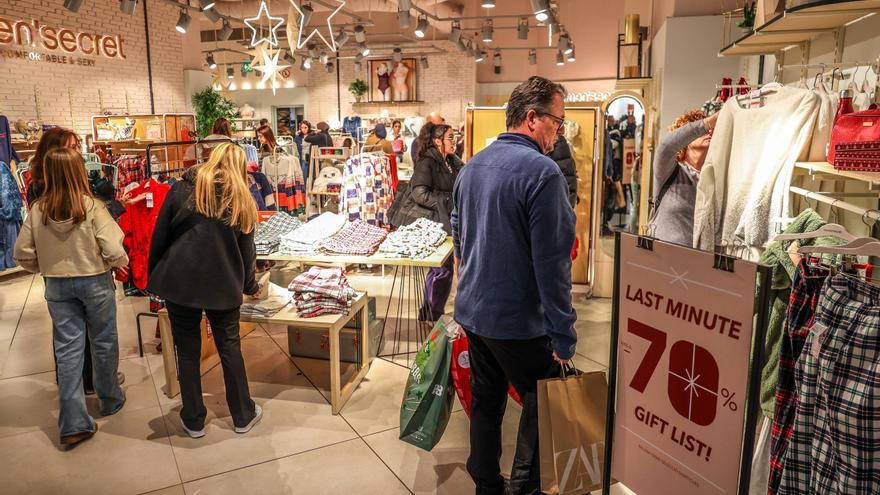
(427, 400)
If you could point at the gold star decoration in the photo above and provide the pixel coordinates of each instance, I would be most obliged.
(269, 66)
(302, 18)
(255, 24)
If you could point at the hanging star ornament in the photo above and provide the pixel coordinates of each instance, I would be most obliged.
(269, 66)
(255, 23)
(301, 41)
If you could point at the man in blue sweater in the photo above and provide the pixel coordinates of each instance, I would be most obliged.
(513, 230)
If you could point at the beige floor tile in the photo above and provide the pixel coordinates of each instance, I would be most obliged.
(130, 454)
(9, 320)
(443, 470)
(14, 291)
(348, 467)
(594, 340)
(171, 490)
(29, 354)
(296, 417)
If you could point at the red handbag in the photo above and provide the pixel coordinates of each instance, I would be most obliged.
(852, 128)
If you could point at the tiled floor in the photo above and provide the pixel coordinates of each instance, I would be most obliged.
(299, 447)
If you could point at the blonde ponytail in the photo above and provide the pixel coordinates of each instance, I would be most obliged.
(222, 190)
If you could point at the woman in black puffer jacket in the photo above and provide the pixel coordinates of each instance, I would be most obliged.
(430, 196)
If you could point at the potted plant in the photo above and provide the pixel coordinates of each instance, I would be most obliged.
(358, 88)
(210, 106)
(749, 11)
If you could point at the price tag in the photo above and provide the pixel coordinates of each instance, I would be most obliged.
(818, 331)
(149, 200)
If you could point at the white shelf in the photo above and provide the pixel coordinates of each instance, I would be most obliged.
(824, 168)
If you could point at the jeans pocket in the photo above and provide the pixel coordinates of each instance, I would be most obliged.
(54, 288)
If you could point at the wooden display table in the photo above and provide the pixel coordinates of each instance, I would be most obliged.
(443, 252)
(333, 324)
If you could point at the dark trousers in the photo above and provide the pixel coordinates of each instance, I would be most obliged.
(494, 364)
(188, 340)
(438, 285)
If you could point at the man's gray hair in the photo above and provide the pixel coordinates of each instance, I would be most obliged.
(535, 94)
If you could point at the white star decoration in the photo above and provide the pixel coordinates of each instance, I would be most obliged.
(269, 66)
(301, 42)
(255, 24)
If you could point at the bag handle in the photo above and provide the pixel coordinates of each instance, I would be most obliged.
(568, 367)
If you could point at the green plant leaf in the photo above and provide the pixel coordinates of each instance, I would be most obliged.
(210, 106)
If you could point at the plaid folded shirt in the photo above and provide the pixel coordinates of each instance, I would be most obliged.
(330, 282)
(834, 445)
(806, 289)
(416, 240)
(356, 238)
(269, 233)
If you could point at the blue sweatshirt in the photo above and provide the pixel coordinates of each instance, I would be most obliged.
(513, 230)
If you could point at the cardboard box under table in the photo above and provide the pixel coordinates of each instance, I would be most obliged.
(332, 324)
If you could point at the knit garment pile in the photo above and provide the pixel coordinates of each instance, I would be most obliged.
(417, 240)
(307, 239)
(269, 233)
(357, 238)
(322, 291)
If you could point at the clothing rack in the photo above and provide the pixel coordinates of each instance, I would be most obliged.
(834, 202)
(163, 148)
(804, 68)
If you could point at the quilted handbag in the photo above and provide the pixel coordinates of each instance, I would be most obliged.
(854, 128)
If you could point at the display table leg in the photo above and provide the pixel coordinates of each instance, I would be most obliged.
(408, 332)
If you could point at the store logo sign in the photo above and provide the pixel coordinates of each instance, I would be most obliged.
(587, 96)
(36, 35)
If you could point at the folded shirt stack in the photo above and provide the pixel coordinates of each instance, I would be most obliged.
(265, 308)
(269, 233)
(322, 291)
(416, 240)
(307, 239)
(357, 238)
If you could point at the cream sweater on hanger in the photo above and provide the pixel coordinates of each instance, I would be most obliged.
(744, 181)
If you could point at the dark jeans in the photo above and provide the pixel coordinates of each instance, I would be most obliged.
(438, 285)
(188, 340)
(494, 364)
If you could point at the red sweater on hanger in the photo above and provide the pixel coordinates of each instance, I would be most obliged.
(138, 223)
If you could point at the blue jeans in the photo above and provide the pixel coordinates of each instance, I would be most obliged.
(79, 305)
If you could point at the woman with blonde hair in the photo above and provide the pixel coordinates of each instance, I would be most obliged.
(202, 258)
(71, 239)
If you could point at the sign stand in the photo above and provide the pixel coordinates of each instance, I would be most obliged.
(672, 464)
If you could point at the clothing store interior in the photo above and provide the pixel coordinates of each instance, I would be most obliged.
(417, 247)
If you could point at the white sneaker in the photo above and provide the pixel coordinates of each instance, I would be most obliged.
(192, 433)
(259, 415)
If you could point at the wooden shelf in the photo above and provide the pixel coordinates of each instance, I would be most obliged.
(824, 168)
(800, 24)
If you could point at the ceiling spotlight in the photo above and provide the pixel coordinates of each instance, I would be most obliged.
(571, 57)
(211, 14)
(480, 57)
(210, 60)
(342, 37)
(560, 59)
(404, 4)
(207, 4)
(324, 57)
(365, 50)
(73, 5)
(127, 6)
(357, 67)
(488, 4)
(422, 27)
(541, 9)
(565, 43)
(522, 30)
(313, 51)
(360, 35)
(225, 31)
(307, 12)
(424, 61)
(533, 57)
(183, 21)
(306, 63)
(230, 73)
(487, 31)
(330, 67)
(461, 45)
(403, 19)
(455, 33)
(396, 55)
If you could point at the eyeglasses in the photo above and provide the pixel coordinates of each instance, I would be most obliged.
(559, 120)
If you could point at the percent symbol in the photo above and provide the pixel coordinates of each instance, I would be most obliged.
(728, 399)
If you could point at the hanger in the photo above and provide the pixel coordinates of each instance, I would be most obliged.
(864, 246)
(827, 230)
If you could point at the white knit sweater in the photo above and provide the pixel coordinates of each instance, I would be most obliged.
(744, 181)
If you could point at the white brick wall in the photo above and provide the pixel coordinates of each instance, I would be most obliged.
(121, 85)
(446, 86)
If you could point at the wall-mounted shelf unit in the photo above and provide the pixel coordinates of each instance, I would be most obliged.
(824, 170)
(800, 24)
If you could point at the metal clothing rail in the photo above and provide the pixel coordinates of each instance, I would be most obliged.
(163, 147)
(836, 203)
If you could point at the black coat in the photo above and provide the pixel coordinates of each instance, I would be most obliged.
(561, 154)
(320, 139)
(430, 191)
(196, 261)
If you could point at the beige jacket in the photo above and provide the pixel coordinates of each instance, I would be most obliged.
(63, 249)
